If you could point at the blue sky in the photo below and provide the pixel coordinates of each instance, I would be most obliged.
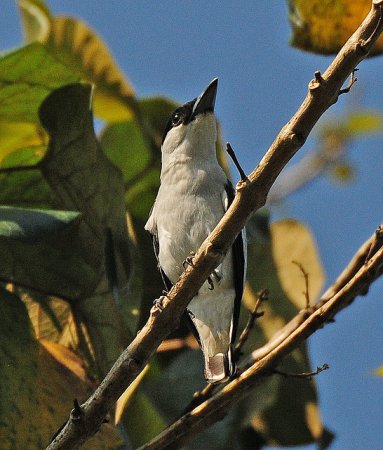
(175, 48)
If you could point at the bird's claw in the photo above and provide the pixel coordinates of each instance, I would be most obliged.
(188, 260)
(158, 305)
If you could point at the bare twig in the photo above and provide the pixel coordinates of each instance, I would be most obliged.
(351, 83)
(306, 278)
(304, 375)
(255, 369)
(251, 195)
(261, 297)
(233, 156)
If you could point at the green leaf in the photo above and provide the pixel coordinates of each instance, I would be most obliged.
(79, 48)
(27, 76)
(31, 225)
(142, 420)
(83, 178)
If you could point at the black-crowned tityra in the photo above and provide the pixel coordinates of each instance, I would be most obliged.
(193, 196)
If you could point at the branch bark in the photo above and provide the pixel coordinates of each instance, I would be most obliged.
(251, 195)
(262, 362)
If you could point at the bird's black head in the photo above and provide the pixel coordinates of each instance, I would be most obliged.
(190, 110)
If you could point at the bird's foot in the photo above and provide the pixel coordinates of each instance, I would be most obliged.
(188, 260)
(158, 305)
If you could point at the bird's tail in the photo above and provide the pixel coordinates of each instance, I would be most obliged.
(220, 367)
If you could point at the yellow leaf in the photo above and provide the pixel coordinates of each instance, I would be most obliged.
(15, 135)
(77, 46)
(323, 26)
(36, 19)
(66, 357)
(124, 400)
(292, 241)
(379, 371)
(364, 122)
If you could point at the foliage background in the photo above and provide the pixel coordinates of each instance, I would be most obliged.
(175, 50)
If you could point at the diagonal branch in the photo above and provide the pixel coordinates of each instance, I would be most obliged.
(260, 364)
(251, 195)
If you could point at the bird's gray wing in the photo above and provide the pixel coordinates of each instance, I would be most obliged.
(239, 253)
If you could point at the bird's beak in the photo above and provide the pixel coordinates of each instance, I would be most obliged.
(205, 102)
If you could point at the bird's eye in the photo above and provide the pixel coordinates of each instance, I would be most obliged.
(176, 119)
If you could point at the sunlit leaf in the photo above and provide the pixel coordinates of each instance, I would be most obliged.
(324, 26)
(294, 250)
(36, 19)
(27, 76)
(18, 135)
(79, 47)
(66, 357)
(125, 399)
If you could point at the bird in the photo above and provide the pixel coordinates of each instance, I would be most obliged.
(193, 196)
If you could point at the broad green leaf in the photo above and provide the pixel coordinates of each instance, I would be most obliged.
(324, 26)
(25, 187)
(31, 225)
(84, 179)
(79, 47)
(27, 76)
(271, 252)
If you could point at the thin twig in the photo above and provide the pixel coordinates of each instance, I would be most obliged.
(306, 277)
(233, 156)
(351, 83)
(261, 297)
(304, 375)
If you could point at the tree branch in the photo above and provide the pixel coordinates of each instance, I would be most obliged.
(251, 195)
(258, 366)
